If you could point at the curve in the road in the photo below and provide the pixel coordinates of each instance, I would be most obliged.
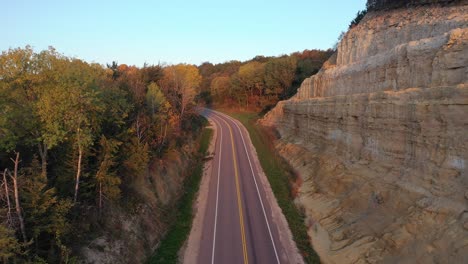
(231, 125)
(256, 186)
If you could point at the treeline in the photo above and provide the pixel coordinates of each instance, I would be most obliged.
(375, 5)
(74, 137)
(258, 84)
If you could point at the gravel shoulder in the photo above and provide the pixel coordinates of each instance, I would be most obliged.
(189, 252)
(290, 253)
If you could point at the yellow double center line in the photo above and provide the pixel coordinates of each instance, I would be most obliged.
(239, 200)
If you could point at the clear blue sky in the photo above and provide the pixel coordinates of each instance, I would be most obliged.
(174, 31)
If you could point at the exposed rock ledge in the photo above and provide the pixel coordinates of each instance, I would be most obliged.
(380, 138)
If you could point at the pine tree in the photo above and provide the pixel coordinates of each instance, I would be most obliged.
(9, 245)
(107, 181)
(45, 213)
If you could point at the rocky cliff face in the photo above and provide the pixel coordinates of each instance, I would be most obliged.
(380, 139)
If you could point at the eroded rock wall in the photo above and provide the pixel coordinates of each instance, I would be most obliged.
(380, 138)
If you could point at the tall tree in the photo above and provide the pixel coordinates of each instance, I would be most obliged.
(9, 245)
(279, 74)
(69, 111)
(184, 80)
(248, 81)
(19, 211)
(220, 87)
(107, 180)
(44, 209)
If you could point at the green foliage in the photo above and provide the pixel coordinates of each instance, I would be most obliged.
(68, 109)
(156, 100)
(9, 245)
(204, 97)
(45, 213)
(259, 83)
(376, 5)
(18, 81)
(250, 77)
(279, 74)
(107, 180)
(359, 16)
(136, 162)
(90, 126)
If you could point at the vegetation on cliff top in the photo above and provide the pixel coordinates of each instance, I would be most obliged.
(258, 84)
(375, 5)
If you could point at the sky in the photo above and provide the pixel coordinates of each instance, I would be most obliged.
(174, 31)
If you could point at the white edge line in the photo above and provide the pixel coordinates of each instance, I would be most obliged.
(256, 185)
(217, 188)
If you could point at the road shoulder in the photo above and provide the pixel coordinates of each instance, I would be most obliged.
(189, 252)
(290, 254)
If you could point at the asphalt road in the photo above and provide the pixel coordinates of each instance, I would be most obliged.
(238, 226)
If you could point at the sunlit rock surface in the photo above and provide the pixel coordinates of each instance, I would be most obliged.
(380, 139)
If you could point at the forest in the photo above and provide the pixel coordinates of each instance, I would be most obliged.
(75, 137)
(258, 84)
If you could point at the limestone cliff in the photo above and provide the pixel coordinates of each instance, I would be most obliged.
(380, 139)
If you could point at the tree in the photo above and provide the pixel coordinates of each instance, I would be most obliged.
(106, 178)
(69, 110)
(184, 80)
(21, 81)
(136, 162)
(206, 70)
(220, 87)
(359, 16)
(16, 193)
(6, 196)
(9, 245)
(46, 214)
(279, 74)
(114, 68)
(151, 74)
(248, 81)
(251, 77)
(155, 98)
(132, 78)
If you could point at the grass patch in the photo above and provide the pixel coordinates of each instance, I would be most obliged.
(169, 248)
(280, 175)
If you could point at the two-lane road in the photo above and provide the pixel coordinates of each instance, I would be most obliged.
(239, 225)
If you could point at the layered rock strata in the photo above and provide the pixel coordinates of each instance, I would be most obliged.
(380, 139)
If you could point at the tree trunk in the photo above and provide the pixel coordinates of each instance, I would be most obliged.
(43, 153)
(161, 144)
(7, 195)
(78, 173)
(17, 202)
(165, 133)
(100, 197)
(138, 128)
(182, 112)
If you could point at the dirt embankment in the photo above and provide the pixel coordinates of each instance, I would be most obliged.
(132, 234)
